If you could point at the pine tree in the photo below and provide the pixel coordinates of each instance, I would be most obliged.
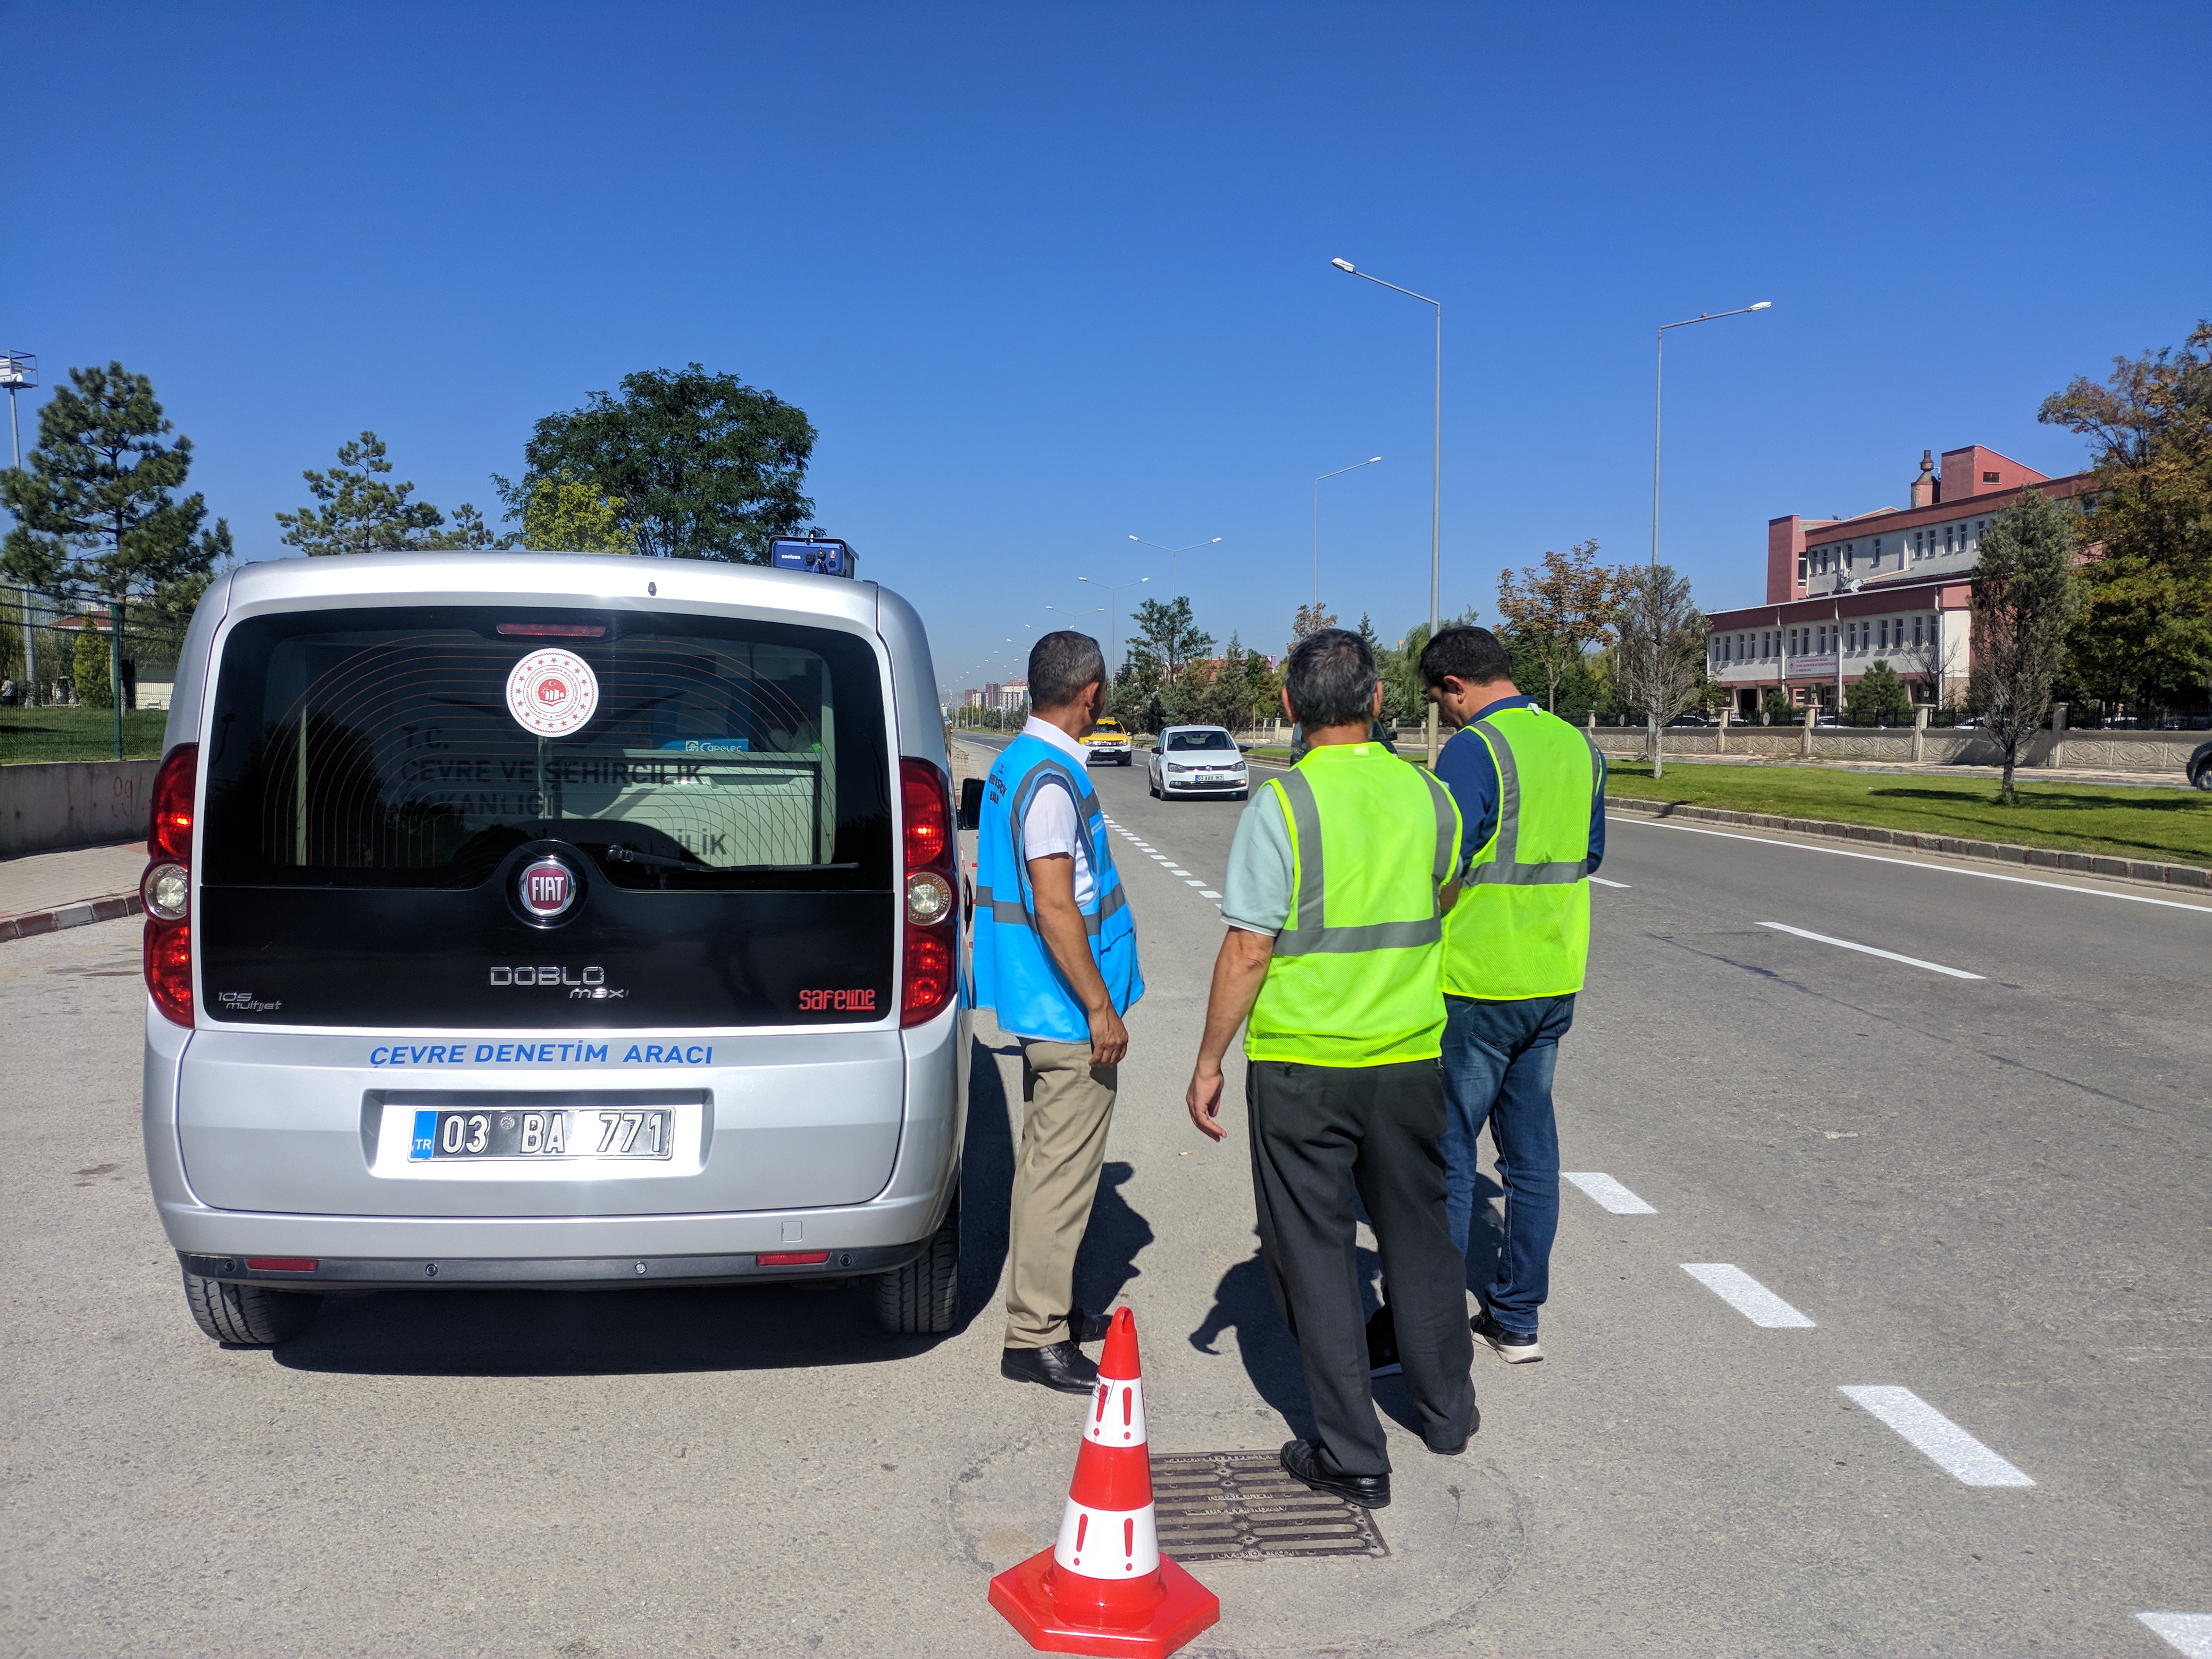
(361, 513)
(96, 515)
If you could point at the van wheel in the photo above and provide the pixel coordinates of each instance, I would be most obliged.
(247, 1316)
(923, 1297)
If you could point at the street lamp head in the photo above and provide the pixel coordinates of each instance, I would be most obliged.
(1371, 460)
(1764, 305)
(1134, 538)
(1344, 266)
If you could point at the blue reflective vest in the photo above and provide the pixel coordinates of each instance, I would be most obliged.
(1015, 974)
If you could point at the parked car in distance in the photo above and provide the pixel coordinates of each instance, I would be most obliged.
(521, 920)
(2200, 766)
(1690, 717)
(1109, 743)
(1198, 760)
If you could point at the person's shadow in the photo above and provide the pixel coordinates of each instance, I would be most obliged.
(1108, 1259)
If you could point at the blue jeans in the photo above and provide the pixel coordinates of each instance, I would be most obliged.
(1499, 1061)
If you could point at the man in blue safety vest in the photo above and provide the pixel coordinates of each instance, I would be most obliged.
(1056, 960)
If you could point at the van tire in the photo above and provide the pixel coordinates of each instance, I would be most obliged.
(247, 1316)
(923, 1297)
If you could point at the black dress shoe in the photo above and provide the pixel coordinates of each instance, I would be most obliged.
(1087, 1327)
(1302, 1461)
(1060, 1366)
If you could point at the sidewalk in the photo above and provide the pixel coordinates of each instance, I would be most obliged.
(41, 892)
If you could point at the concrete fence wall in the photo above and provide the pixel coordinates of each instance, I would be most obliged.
(2091, 750)
(53, 804)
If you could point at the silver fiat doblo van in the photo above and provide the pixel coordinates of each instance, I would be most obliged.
(533, 920)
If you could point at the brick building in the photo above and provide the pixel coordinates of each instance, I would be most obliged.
(1890, 585)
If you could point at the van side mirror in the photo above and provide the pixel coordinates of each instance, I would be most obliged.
(971, 803)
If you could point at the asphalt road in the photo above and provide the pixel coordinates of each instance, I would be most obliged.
(1989, 1192)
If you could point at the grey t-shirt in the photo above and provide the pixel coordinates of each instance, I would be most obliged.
(1256, 897)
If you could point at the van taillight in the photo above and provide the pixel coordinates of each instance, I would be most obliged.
(932, 920)
(165, 888)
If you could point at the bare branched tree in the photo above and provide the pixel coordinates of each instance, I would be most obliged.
(1660, 656)
(2026, 596)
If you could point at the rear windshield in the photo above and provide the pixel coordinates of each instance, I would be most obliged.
(1199, 740)
(417, 747)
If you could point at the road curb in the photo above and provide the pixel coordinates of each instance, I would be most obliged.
(1994, 852)
(29, 924)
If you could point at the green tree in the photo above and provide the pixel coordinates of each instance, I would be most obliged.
(362, 512)
(2025, 597)
(1777, 708)
(704, 467)
(89, 667)
(95, 512)
(1561, 609)
(1310, 619)
(1878, 697)
(1168, 633)
(1659, 659)
(563, 516)
(2145, 631)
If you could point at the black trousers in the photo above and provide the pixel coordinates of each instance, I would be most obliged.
(1319, 1135)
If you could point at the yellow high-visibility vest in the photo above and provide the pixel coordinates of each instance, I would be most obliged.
(1357, 975)
(1522, 926)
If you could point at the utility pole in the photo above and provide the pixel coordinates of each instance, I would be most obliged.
(19, 371)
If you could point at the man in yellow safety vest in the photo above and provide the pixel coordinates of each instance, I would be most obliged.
(1530, 789)
(1341, 873)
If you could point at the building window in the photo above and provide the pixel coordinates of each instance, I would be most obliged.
(1989, 478)
(1882, 632)
(1915, 631)
(1877, 552)
(1917, 552)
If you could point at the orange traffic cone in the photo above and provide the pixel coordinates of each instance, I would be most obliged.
(1105, 1587)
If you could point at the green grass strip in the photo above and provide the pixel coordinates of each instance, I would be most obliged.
(79, 734)
(2117, 820)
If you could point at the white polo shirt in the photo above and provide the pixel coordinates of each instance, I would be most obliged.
(1049, 827)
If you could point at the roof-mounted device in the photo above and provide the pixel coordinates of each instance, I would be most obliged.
(820, 554)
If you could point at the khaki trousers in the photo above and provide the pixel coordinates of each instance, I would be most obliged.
(1067, 1105)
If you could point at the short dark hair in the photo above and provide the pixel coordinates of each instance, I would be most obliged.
(1060, 666)
(1331, 678)
(1472, 655)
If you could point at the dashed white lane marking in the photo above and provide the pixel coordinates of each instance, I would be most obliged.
(1207, 892)
(1914, 864)
(1194, 883)
(2186, 1633)
(1868, 949)
(1747, 1296)
(1608, 1193)
(1602, 881)
(1942, 1441)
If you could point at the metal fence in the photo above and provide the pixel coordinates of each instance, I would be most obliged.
(59, 652)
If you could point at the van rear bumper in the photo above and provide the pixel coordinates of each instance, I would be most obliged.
(548, 1272)
(517, 1246)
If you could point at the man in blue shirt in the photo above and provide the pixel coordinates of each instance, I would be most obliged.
(1531, 794)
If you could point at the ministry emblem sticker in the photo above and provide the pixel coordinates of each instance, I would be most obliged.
(547, 889)
(552, 693)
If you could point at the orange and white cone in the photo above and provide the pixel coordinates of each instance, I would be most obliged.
(1104, 1587)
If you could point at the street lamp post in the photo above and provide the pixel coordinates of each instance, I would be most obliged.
(1658, 368)
(1171, 552)
(19, 371)
(1114, 617)
(1338, 473)
(1436, 466)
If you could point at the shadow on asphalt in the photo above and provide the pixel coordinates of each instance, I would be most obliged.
(500, 1333)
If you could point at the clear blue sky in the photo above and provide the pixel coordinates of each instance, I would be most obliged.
(1047, 275)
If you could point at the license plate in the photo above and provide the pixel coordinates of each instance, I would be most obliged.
(645, 1133)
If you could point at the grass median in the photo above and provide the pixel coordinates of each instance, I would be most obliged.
(79, 734)
(2119, 820)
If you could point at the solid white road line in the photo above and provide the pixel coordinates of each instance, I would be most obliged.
(1915, 863)
(1944, 1443)
(1747, 1296)
(1608, 1193)
(2186, 1633)
(1602, 881)
(1891, 956)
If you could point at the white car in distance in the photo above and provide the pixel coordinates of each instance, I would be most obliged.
(1198, 760)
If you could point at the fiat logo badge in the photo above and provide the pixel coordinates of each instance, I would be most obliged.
(548, 889)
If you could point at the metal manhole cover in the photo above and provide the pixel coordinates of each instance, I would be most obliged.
(1240, 1506)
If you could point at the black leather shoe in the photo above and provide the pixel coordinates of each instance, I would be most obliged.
(1087, 1327)
(1060, 1366)
(1302, 1461)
